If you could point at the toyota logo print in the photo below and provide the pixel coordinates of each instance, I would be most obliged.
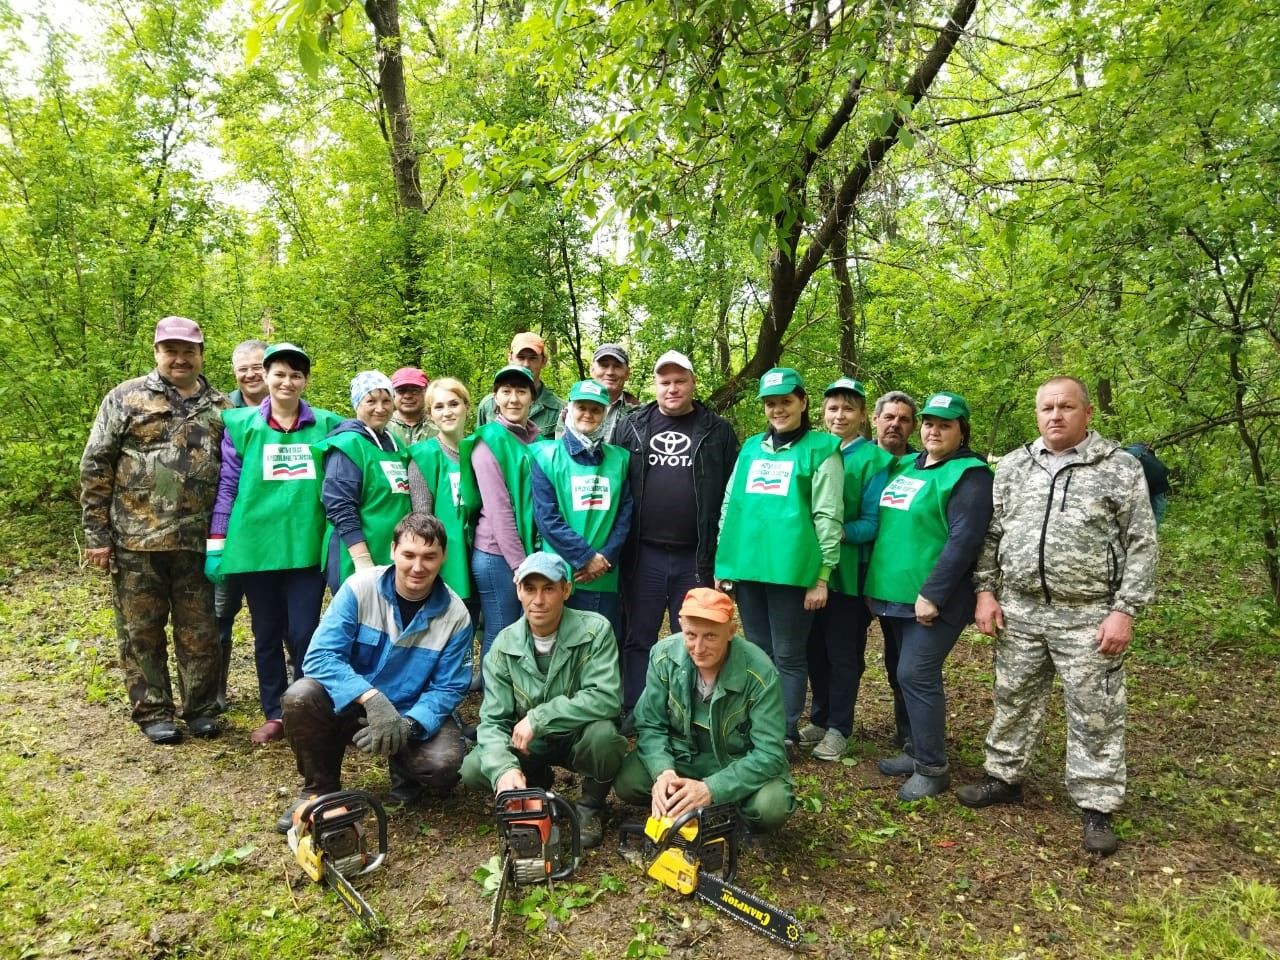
(669, 443)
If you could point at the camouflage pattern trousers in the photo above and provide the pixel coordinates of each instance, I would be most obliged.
(1039, 639)
(150, 587)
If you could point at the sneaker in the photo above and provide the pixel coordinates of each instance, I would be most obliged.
(1099, 838)
(204, 726)
(903, 765)
(989, 790)
(269, 731)
(921, 785)
(162, 731)
(831, 747)
(791, 749)
(469, 732)
(811, 734)
(590, 826)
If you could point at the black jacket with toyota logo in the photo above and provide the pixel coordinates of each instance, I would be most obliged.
(715, 450)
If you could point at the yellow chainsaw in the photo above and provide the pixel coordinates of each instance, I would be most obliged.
(697, 854)
(331, 844)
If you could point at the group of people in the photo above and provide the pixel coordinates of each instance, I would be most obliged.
(567, 530)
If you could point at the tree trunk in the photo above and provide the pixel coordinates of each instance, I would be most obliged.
(789, 270)
(385, 17)
(844, 302)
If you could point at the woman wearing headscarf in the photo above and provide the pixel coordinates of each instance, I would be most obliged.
(934, 513)
(496, 485)
(267, 523)
(366, 484)
(780, 532)
(838, 641)
(582, 502)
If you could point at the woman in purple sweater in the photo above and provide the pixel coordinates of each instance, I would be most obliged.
(496, 486)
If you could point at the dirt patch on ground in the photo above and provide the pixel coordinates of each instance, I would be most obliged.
(866, 874)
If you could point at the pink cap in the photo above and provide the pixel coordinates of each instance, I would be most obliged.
(178, 328)
(408, 377)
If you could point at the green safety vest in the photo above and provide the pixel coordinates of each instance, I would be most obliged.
(384, 495)
(513, 460)
(862, 461)
(768, 533)
(913, 526)
(587, 497)
(443, 478)
(276, 520)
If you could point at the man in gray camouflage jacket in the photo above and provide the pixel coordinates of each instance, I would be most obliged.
(147, 480)
(1069, 560)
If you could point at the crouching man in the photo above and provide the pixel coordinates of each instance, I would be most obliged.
(386, 668)
(552, 690)
(709, 724)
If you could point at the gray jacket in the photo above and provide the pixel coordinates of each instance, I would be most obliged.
(1085, 535)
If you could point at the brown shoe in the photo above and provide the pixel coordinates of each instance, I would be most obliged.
(271, 730)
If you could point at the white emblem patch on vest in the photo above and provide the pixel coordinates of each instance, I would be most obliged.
(772, 477)
(455, 485)
(591, 493)
(287, 461)
(397, 476)
(899, 494)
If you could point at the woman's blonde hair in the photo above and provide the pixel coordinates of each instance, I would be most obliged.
(452, 386)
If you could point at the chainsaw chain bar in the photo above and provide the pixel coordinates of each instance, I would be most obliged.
(791, 932)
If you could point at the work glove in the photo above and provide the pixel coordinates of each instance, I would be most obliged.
(385, 731)
(213, 560)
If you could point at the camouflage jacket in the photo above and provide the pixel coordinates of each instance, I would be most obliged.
(1084, 535)
(149, 470)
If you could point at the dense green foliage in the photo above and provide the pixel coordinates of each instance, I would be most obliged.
(1072, 187)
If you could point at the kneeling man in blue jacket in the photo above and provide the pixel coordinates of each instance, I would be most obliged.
(386, 668)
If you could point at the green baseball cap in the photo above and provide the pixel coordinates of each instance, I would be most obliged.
(296, 356)
(948, 406)
(846, 385)
(589, 391)
(514, 372)
(778, 382)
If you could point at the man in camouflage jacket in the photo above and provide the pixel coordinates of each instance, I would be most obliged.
(1069, 560)
(148, 477)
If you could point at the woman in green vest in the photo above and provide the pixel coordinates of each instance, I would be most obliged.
(496, 485)
(366, 482)
(780, 532)
(267, 523)
(582, 502)
(838, 642)
(435, 477)
(933, 517)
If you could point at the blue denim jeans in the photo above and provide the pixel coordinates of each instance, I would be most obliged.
(497, 591)
(921, 653)
(775, 620)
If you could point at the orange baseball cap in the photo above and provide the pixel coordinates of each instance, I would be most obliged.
(528, 341)
(708, 604)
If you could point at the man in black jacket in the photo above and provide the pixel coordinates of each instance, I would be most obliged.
(681, 458)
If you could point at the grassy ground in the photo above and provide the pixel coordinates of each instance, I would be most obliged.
(110, 847)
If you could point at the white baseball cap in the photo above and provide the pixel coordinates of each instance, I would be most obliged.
(670, 357)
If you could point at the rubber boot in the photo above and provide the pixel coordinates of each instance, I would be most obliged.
(591, 809)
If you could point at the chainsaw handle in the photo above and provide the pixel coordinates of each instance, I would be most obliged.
(570, 814)
(513, 806)
(357, 804)
(720, 815)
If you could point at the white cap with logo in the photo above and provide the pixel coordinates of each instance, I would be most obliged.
(673, 357)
